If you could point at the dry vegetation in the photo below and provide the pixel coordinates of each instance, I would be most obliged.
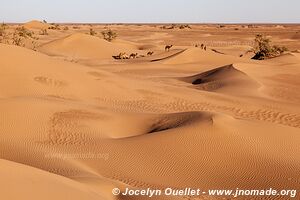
(264, 50)
(55, 26)
(93, 32)
(176, 26)
(3, 35)
(109, 35)
(44, 32)
(18, 36)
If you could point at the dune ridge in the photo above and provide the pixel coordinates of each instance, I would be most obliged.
(197, 55)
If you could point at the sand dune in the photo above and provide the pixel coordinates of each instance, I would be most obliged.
(287, 58)
(196, 55)
(37, 184)
(150, 123)
(236, 50)
(75, 128)
(36, 25)
(225, 79)
(83, 46)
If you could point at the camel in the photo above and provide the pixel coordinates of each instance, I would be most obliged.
(150, 53)
(168, 47)
(133, 55)
(116, 57)
(124, 56)
(121, 56)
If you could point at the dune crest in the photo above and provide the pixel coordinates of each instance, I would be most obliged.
(226, 79)
(153, 123)
(195, 55)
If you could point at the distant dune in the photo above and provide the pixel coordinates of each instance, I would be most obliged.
(36, 25)
(83, 46)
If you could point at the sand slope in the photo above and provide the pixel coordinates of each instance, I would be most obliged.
(225, 79)
(196, 55)
(33, 183)
(83, 46)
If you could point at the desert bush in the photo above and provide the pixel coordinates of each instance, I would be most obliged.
(92, 32)
(2, 29)
(66, 28)
(44, 32)
(54, 26)
(2, 33)
(264, 50)
(252, 26)
(176, 26)
(172, 26)
(279, 49)
(23, 32)
(16, 39)
(57, 27)
(109, 35)
(20, 34)
(184, 26)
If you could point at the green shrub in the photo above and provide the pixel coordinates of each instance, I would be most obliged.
(109, 35)
(264, 50)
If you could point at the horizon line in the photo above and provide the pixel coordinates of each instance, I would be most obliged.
(159, 23)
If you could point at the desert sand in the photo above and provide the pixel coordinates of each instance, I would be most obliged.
(76, 123)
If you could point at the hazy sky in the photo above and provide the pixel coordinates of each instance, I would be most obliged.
(106, 11)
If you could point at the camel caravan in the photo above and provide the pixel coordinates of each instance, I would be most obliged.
(125, 56)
